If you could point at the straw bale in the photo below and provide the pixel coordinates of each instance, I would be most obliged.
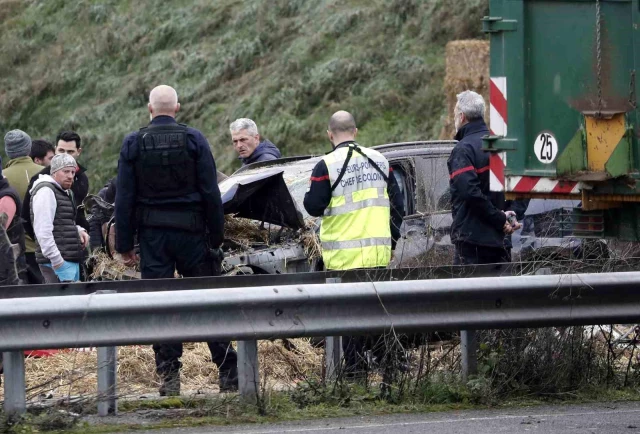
(467, 68)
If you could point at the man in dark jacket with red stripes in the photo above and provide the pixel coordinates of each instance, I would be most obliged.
(479, 226)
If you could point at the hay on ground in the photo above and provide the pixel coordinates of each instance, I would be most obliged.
(244, 231)
(74, 373)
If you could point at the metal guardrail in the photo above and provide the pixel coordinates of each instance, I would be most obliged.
(441, 272)
(286, 311)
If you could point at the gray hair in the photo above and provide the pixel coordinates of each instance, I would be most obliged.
(244, 124)
(471, 104)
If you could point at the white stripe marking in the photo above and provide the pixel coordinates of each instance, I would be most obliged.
(343, 428)
(577, 188)
(498, 125)
(494, 183)
(544, 185)
(512, 181)
(501, 84)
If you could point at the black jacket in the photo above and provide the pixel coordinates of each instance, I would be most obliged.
(15, 233)
(80, 189)
(476, 219)
(265, 151)
(207, 197)
(99, 216)
(317, 199)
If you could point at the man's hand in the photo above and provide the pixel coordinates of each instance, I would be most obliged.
(507, 228)
(56, 267)
(84, 238)
(511, 225)
(130, 258)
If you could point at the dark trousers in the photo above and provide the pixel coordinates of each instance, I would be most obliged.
(472, 254)
(162, 251)
(34, 276)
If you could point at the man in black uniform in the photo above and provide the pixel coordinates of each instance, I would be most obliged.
(479, 225)
(168, 194)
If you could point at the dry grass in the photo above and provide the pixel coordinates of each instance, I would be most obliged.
(112, 268)
(309, 238)
(467, 68)
(244, 231)
(74, 373)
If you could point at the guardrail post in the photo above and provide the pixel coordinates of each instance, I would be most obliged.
(15, 395)
(469, 346)
(107, 373)
(107, 399)
(248, 371)
(332, 349)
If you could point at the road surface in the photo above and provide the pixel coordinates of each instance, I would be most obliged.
(559, 419)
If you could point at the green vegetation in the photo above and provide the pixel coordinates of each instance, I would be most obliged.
(282, 407)
(88, 65)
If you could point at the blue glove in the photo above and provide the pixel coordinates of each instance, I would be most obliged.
(68, 272)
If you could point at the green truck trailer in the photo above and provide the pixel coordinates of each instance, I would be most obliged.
(564, 116)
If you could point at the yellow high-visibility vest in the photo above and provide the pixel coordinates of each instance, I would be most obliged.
(355, 230)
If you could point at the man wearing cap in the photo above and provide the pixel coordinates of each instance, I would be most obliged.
(60, 243)
(18, 171)
(67, 142)
(20, 168)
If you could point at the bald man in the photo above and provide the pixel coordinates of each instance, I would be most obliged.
(354, 191)
(168, 196)
(358, 198)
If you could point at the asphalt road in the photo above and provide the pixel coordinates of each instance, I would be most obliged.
(561, 419)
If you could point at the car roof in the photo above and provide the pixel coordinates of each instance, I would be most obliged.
(390, 150)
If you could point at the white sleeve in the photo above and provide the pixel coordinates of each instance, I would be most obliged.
(44, 211)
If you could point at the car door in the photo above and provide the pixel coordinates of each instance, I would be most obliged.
(425, 231)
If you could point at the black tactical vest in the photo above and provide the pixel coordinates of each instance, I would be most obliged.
(65, 231)
(15, 231)
(164, 167)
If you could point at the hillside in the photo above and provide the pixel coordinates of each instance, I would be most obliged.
(88, 65)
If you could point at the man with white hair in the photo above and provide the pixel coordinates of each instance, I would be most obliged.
(59, 241)
(248, 144)
(479, 226)
(167, 194)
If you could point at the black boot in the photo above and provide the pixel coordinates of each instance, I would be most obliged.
(229, 380)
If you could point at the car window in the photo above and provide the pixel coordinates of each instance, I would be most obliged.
(432, 184)
(402, 174)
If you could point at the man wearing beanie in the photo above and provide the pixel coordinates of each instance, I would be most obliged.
(60, 243)
(67, 142)
(18, 171)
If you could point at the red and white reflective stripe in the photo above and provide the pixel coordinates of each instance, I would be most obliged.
(498, 105)
(536, 184)
(498, 127)
(498, 160)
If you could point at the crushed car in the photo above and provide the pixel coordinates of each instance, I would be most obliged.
(282, 237)
(268, 231)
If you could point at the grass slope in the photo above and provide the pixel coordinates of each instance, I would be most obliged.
(88, 65)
